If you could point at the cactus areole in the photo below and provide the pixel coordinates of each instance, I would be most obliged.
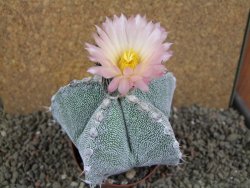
(119, 118)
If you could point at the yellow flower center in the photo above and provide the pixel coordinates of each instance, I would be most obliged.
(128, 59)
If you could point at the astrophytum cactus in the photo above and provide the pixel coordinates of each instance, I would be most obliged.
(116, 133)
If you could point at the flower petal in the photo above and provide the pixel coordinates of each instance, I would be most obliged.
(141, 85)
(114, 84)
(135, 78)
(128, 71)
(106, 72)
(167, 45)
(97, 54)
(124, 86)
(167, 56)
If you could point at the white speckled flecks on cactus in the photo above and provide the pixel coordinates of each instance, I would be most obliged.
(86, 79)
(86, 168)
(106, 103)
(144, 106)
(93, 132)
(132, 98)
(115, 134)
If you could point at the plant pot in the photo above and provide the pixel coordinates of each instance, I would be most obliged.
(79, 162)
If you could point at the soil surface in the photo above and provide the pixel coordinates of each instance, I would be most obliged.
(35, 152)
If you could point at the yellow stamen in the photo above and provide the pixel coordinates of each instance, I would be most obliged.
(128, 59)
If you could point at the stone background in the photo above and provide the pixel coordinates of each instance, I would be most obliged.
(42, 46)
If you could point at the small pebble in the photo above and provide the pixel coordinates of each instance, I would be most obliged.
(56, 185)
(232, 137)
(124, 182)
(63, 177)
(81, 185)
(130, 174)
(3, 133)
(110, 181)
(74, 184)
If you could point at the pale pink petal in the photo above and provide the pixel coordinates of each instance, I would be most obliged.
(110, 30)
(127, 71)
(159, 71)
(114, 84)
(141, 85)
(146, 80)
(148, 72)
(153, 41)
(104, 36)
(139, 69)
(154, 71)
(97, 54)
(106, 72)
(155, 57)
(124, 86)
(106, 50)
(120, 24)
(135, 78)
(167, 45)
(167, 56)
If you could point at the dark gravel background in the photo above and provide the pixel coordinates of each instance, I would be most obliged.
(34, 152)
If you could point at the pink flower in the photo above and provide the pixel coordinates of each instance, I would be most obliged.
(130, 51)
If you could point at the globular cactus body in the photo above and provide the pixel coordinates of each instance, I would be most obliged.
(115, 134)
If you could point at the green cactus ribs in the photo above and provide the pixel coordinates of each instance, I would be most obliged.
(114, 134)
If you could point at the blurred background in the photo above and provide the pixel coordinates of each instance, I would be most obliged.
(42, 46)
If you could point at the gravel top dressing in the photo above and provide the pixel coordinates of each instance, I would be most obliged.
(35, 152)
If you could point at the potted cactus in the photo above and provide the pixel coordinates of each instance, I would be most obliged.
(119, 118)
